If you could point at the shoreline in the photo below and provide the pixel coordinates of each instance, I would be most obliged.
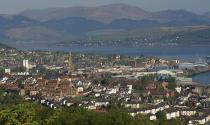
(198, 73)
(199, 80)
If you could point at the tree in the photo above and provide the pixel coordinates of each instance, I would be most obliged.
(22, 114)
(28, 113)
(9, 98)
(144, 120)
(95, 81)
(172, 86)
(51, 74)
(20, 83)
(175, 122)
(106, 81)
(8, 118)
(171, 83)
(145, 79)
(1, 71)
(19, 69)
(161, 117)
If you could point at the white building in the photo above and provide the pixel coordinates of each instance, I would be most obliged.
(80, 89)
(7, 71)
(26, 64)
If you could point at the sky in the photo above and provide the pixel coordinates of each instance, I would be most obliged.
(16, 6)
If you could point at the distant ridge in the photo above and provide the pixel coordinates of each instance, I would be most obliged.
(105, 13)
(109, 13)
(61, 24)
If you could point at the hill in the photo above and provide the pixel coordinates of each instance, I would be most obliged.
(195, 38)
(106, 13)
(16, 27)
(13, 21)
(180, 17)
(109, 13)
(163, 36)
(73, 23)
(34, 33)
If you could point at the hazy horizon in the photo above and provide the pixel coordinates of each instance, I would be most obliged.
(17, 6)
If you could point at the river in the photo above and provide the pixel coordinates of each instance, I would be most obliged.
(183, 53)
(203, 78)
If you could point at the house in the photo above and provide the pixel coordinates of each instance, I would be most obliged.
(90, 106)
(97, 94)
(146, 111)
(198, 89)
(33, 93)
(154, 109)
(42, 101)
(152, 117)
(133, 112)
(101, 102)
(22, 92)
(84, 83)
(111, 91)
(203, 119)
(187, 112)
(132, 104)
(172, 113)
(80, 89)
(68, 102)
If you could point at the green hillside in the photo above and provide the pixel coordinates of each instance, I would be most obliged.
(172, 35)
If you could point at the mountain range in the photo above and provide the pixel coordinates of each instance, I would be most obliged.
(61, 24)
(106, 13)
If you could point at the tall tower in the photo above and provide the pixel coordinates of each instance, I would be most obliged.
(70, 65)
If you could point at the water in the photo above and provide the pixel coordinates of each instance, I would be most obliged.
(203, 78)
(183, 53)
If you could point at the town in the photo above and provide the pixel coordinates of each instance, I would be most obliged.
(139, 85)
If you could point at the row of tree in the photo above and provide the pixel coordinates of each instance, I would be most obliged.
(15, 111)
(34, 114)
